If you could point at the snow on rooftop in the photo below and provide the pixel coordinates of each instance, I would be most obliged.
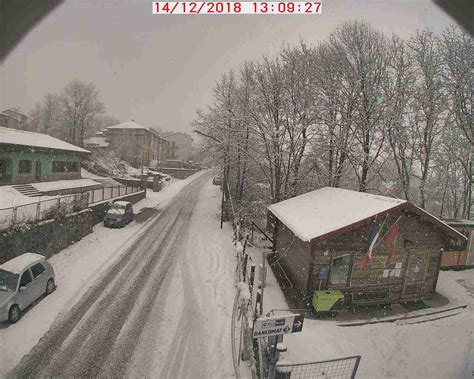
(328, 209)
(10, 197)
(16, 265)
(129, 125)
(64, 184)
(25, 138)
(89, 175)
(96, 142)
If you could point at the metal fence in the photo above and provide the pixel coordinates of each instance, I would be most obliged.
(50, 208)
(341, 368)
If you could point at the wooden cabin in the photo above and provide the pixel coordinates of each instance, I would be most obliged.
(323, 237)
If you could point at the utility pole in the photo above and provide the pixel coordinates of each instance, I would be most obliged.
(223, 185)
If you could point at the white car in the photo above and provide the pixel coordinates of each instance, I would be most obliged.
(23, 280)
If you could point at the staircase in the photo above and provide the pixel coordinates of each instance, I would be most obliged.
(27, 190)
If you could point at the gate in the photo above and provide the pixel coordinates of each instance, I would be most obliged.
(340, 368)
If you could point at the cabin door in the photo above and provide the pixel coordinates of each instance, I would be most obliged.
(38, 170)
(415, 275)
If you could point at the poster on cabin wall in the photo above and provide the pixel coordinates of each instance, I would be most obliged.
(376, 270)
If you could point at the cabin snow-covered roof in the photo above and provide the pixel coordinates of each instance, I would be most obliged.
(24, 138)
(318, 213)
(328, 209)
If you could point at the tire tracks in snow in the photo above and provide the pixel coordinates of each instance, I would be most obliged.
(97, 336)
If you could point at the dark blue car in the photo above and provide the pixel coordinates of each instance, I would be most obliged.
(119, 214)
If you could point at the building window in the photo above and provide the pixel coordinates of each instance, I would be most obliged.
(340, 269)
(59, 166)
(72, 167)
(24, 166)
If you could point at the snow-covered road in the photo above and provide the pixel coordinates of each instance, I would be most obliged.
(162, 309)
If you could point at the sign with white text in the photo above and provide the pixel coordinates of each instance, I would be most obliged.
(276, 325)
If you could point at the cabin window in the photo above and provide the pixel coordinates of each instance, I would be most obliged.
(24, 166)
(340, 269)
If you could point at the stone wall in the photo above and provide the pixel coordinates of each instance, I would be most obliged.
(47, 237)
(51, 236)
(178, 173)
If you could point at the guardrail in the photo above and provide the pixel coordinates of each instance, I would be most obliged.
(50, 208)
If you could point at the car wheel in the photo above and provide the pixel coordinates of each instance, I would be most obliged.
(14, 314)
(50, 287)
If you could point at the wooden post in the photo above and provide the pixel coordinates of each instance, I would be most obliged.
(252, 276)
(244, 269)
(264, 279)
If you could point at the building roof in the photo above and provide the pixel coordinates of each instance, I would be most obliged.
(323, 212)
(14, 113)
(24, 138)
(132, 125)
(16, 265)
(129, 125)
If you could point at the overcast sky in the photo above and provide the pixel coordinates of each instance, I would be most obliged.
(158, 70)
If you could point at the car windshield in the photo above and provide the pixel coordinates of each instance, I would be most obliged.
(116, 209)
(8, 281)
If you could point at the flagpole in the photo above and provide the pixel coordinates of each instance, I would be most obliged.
(381, 239)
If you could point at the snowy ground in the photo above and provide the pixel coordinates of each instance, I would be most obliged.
(78, 266)
(442, 348)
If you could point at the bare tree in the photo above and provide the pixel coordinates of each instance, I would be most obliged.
(363, 54)
(457, 51)
(399, 125)
(429, 104)
(81, 104)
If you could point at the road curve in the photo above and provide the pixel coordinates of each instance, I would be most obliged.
(119, 327)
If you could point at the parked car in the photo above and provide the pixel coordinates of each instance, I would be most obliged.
(23, 280)
(119, 214)
(217, 180)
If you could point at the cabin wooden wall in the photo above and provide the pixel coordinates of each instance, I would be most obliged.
(412, 275)
(294, 256)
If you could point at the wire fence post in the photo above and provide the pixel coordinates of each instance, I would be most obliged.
(38, 211)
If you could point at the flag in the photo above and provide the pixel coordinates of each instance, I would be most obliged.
(373, 236)
(389, 240)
